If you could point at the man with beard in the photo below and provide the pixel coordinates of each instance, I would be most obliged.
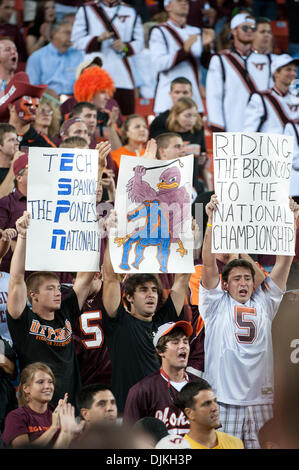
(239, 68)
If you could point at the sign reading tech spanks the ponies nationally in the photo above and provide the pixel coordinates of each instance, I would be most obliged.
(153, 205)
(63, 233)
(252, 176)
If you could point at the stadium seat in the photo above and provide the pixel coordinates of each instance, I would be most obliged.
(280, 30)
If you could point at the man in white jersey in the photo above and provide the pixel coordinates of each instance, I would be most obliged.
(241, 69)
(270, 110)
(238, 339)
(114, 29)
(176, 49)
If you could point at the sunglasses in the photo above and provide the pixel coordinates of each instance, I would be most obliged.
(45, 112)
(245, 28)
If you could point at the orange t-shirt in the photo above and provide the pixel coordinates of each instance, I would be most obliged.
(117, 153)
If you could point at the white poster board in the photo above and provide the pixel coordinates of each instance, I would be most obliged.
(63, 235)
(153, 205)
(252, 177)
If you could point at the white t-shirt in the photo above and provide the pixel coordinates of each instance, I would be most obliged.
(238, 343)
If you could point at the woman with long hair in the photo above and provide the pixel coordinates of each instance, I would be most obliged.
(38, 34)
(134, 135)
(35, 420)
(185, 120)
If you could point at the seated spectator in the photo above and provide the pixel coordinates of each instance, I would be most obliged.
(88, 112)
(38, 33)
(11, 31)
(96, 86)
(34, 420)
(150, 431)
(55, 64)
(45, 127)
(199, 403)
(134, 135)
(74, 127)
(97, 403)
(9, 145)
(180, 87)
(19, 104)
(8, 63)
(185, 120)
(13, 205)
(8, 398)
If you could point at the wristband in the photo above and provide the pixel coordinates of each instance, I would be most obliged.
(209, 225)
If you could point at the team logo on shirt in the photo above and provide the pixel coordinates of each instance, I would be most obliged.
(293, 107)
(57, 337)
(122, 18)
(259, 66)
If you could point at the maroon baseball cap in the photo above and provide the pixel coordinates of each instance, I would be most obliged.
(21, 163)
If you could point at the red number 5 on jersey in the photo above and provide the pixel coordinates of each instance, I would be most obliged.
(89, 324)
(245, 323)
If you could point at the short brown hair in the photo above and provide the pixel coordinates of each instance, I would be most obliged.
(4, 129)
(176, 332)
(74, 142)
(136, 280)
(35, 280)
(236, 263)
(162, 140)
(27, 376)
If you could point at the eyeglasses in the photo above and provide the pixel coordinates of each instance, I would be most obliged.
(245, 28)
(45, 112)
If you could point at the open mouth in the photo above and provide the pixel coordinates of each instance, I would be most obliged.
(182, 355)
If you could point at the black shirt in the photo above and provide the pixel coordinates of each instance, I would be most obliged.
(51, 342)
(130, 346)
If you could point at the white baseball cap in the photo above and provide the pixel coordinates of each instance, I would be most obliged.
(241, 18)
(173, 441)
(282, 60)
(167, 327)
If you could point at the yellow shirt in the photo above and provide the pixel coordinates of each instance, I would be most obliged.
(225, 441)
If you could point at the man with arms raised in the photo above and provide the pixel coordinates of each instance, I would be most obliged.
(238, 339)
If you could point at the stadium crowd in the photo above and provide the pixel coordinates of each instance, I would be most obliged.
(207, 360)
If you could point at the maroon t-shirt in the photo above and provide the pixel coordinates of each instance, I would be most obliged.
(155, 397)
(91, 349)
(24, 420)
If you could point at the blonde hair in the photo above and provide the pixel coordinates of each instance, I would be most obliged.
(27, 376)
(179, 106)
(54, 127)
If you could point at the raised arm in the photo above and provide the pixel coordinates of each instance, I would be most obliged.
(111, 284)
(281, 269)
(17, 291)
(210, 273)
(179, 291)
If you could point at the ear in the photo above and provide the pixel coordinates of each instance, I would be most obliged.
(33, 295)
(84, 413)
(130, 299)
(224, 285)
(189, 413)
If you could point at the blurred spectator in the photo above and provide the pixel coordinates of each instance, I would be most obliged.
(134, 135)
(236, 69)
(38, 33)
(179, 87)
(292, 7)
(176, 49)
(9, 144)
(150, 431)
(55, 64)
(88, 112)
(185, 120)
(74, 127)
(8, 399)
(8, 63)
(116, 30)
(11, 31)
(292, 129)
(95, 85)
(7, 236)
(270, 110)
(266, 8)
(263, 37)
(67, 7)
(13, 205)
(45, 128)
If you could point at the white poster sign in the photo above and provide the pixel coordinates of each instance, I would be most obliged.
(252, 177)
(63, 234)
(153, 205)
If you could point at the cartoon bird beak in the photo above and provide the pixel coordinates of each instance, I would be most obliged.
(167, 186)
